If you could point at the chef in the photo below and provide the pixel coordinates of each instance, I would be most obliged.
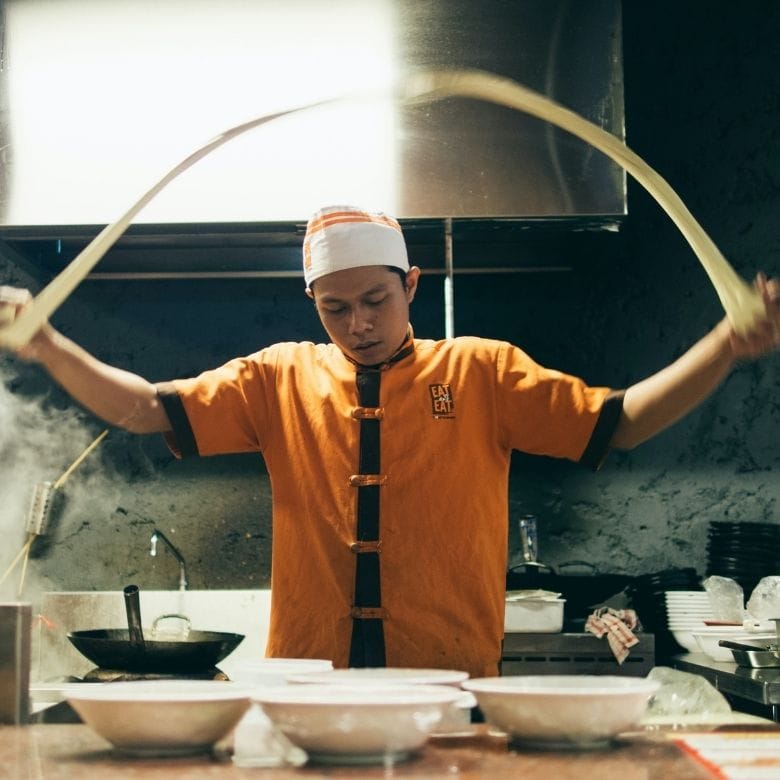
(388, 454)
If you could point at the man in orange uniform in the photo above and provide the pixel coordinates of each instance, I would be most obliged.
(389, 455)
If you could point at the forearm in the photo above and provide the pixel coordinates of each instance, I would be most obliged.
(116, 396)
(662, 399)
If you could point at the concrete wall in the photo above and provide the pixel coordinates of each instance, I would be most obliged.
(702, 107)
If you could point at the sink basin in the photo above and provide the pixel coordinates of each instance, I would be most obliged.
(238, 611)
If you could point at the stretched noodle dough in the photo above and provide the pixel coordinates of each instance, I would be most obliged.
(741, 302)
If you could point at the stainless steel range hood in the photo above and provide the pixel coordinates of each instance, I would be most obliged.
(99, 98)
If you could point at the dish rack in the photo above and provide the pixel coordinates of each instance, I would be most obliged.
(580, 653)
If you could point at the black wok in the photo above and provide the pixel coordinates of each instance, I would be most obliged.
(111, 648)
(128, 649)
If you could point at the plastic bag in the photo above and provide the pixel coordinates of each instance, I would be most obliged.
(727, 599)
(684, 694)
(764, 601)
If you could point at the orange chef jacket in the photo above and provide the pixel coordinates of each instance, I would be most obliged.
(452, 412)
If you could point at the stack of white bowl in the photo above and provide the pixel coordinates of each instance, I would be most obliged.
(686, 611)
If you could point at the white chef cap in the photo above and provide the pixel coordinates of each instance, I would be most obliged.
(340, 237)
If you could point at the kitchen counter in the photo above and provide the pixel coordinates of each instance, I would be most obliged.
(67, 752)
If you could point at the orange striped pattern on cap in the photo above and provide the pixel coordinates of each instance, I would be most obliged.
(339, 237)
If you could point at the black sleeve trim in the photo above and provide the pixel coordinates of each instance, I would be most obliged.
(181, 439)
(598, 447)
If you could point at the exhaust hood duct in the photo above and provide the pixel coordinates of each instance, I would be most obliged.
(99, 97)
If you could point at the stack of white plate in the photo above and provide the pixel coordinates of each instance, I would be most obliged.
(686, 611)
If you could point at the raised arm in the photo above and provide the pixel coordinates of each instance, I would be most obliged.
(119, 397)
(662, 399)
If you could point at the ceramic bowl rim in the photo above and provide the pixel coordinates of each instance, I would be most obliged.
(561, 685)
(369, 696)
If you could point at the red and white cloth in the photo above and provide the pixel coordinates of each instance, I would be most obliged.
(618, 625)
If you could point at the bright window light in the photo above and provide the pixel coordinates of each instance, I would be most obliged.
(103, 98)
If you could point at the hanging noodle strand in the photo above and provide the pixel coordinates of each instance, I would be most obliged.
(741, 302)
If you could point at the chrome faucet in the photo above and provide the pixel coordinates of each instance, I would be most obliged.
(157, 534)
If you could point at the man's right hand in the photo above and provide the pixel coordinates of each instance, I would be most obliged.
(13, 300)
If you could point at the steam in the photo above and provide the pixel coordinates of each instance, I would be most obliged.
(37, 444)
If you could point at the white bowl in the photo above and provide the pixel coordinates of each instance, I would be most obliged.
(390, 675)
(685, 605)
(563, 711)
(708, 640)
(686, 639)
(689, 605)
(688, 602)
(339, 724)
(160, 718)
(456, 717)
(703, 613)
(276, 671)
(688, 617)
(686, 625)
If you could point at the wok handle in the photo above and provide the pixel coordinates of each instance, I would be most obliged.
(746, 648)
(735, 645)
(133, 608)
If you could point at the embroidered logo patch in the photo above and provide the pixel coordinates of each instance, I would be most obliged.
(442, 401)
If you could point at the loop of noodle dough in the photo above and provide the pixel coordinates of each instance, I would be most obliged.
(742, 304)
